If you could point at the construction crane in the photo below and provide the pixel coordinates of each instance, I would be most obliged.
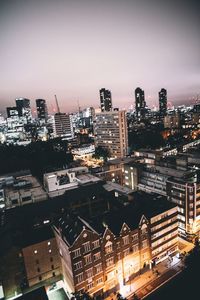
(57, 105)
(60, 116)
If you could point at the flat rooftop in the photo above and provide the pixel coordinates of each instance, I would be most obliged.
(147, 204)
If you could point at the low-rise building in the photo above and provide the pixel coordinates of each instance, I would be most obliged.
(41, 256)
(22, 190)
(102, 255)
(56, 183)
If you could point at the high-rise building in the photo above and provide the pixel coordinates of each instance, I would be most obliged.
(63, 125)
(41, 109)
(140, 103)
(23, 105)
(12, 112)
(110, 130)
(105, 100)
(163, 102)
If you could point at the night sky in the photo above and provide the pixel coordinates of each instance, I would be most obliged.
(73, 48)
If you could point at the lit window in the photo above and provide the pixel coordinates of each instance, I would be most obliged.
(108, 247)
(49, 243)
(49, 250)
(35, 251)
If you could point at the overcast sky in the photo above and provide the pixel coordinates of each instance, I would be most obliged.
(73, 48)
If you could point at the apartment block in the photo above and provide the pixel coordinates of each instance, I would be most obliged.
(110, 129)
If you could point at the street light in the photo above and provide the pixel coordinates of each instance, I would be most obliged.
(130, 275)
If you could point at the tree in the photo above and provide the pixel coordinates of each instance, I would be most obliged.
(101, 153)
(192, 260)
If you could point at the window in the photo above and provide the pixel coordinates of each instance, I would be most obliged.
(97, 256)
(78, 265)
(95, 244)
(79, 278)
(37, 261)
(118, 245)
(108, 247)
(126, 240)
(144, 244)
(99, 280)
(52, 267)
(89, 273)
(49, 250)
(135, 237)
(126, 252)
(35, 252)
(144, 231)
(109, 261)
(53, 274)
(49, 243)
(40, 278)
(98, 268)
(76, 253)
(86, 247)
(51, 259)
(135, 248)
(38, 269)
(90, 285)
(88, 259)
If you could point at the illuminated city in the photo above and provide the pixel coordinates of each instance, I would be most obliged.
(99, 150)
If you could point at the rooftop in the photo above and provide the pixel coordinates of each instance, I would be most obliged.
(37, 235)
(149, 205)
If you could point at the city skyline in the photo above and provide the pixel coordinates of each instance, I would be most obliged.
(75, 48)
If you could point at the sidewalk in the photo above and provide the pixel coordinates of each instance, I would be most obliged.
(144, 284)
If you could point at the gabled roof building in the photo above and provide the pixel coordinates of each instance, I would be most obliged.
(103, 254)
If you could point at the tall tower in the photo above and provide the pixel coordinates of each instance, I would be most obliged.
(41, 109)
(24, 108)
(162, 102)
(140, 103)
(105, 100)
(110, 130)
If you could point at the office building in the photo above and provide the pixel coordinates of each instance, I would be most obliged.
(172, 121)
(180, 184)
(24, 108)
(140, 104)
(110, 129)
(105, 100)
(41, 107)
(12, 112)
(162, 102)
(63, 125)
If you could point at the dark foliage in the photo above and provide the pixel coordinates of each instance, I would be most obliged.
(39, 157)
(101, 152)
(145, 139)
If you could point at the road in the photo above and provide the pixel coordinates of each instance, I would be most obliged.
(157, 282)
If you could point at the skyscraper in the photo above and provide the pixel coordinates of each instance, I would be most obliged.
(41, 109)
(162, 102)
(105, 100)
(110, 130)
(140, 103)
(63, 125)
(24, 108)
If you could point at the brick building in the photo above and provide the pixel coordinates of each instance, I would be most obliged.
(102, 255)
(41, 256)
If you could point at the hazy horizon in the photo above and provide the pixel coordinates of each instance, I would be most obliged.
(74, 48)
